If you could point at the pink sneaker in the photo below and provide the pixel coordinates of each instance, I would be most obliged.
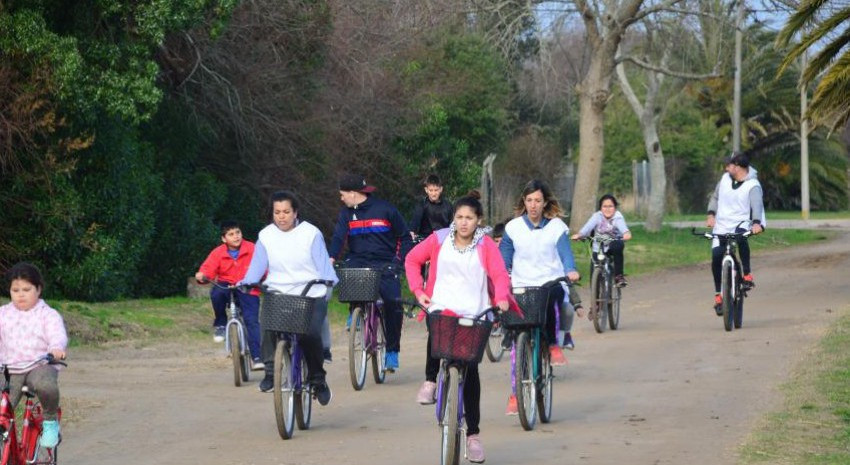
(474, 449)
(556, 356)
(425, 396)
(512, 408)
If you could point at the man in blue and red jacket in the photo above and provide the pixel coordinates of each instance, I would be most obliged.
(376, 235)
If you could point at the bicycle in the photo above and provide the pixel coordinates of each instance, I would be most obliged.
(494, 349)
(532, 366)
(290, 315)
(360, 288)
(235, 338)
(605, 295)
(26, 448)
(456, 342)
(732, 289)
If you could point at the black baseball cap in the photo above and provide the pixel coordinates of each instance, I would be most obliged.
(739, 159)
(354, 182)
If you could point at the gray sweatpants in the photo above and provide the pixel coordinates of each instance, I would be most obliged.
(42, 381)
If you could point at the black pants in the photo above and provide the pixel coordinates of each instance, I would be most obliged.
(556, 297)
(432, 365)
(717, 258)
(311, 348)
(472, 399)
(615, 250)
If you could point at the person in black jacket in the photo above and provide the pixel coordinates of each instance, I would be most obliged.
(433, 212)
(376, 235)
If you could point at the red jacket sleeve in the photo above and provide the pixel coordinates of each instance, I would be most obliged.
(211, 265)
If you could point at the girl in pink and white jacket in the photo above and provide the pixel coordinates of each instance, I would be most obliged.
(467, 275)
(29, 329)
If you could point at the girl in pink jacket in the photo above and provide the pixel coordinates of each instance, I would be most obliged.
(29, 329)
(467, 275)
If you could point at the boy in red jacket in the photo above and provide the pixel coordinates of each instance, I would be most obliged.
(228, 264)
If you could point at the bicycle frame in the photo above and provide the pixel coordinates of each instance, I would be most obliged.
(235, 314)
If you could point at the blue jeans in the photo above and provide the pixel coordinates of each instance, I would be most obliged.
(390, 292)
(250, 305)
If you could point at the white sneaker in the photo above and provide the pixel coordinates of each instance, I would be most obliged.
(218, 335)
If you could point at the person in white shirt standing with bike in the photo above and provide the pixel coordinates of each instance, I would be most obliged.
(736, 206)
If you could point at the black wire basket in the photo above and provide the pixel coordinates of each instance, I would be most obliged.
(533, 301)
(358, 284)
(292, 313)
(455, 341)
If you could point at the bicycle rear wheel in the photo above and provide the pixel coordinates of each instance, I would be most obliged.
(494, 344)
(379, 371)
(727, 305)
(614, 308)
(303, 400)
(284, 399)
(598, 303)
(526, 390)
(235, 354)
(357, 349)
(739, 310)
(450, 450)
(544, 397)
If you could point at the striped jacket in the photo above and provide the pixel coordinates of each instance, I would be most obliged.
(374, 231)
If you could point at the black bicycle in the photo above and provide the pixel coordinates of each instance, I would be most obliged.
(605, 295)
(732, 288)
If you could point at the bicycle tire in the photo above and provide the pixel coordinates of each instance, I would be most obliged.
(526, 396)
(247, 360)
(739, 310)
(726, 296)
(494, 349)
(614, 308)
(357, 349)
(303, 401)
(597, 300)
(284, 401)
(379, 354)
(450, 450)
(544, 396)
(235, 354)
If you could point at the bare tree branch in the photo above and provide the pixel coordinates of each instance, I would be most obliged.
(663, 70)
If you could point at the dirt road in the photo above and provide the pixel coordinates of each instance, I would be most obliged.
(669, 387)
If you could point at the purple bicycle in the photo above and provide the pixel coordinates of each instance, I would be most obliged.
(360, 287)
(457, 342)
(291, 315)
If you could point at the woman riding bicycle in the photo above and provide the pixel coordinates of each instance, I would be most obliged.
(466, 276)
(536, 248)
(609, 221)
(293, 253)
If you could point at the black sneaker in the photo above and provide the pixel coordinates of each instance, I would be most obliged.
(323, 394)
(507, 341)
(620, 281)
(267, 384)
(327, 354)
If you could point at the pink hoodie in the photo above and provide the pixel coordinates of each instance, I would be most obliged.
(26, 336)
(498, 280)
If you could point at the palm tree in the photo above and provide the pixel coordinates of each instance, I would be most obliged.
(822, 22)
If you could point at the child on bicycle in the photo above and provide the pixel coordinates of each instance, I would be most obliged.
(466, 276)
(377, 236)
(29, 329)
(228, 264)
(609, 221)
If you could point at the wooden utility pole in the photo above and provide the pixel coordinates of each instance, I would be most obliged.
(736, 103)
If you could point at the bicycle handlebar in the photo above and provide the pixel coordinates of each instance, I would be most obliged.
(711, 235)
(327, 282)
(49, 358)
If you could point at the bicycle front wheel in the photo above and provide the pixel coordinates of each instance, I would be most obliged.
(598, 304)
(379, 352)
(284, 400)
(727, 305)
(739, 310)
(614, 308)
(450, 450)
(544, 397)
(526, 390)
(494, 344)
(235, 353)
(303, 400)
(357, 349)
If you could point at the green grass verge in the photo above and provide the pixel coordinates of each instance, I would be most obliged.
(672, 247)
(813, 425)
(771, 215)
(148, 320)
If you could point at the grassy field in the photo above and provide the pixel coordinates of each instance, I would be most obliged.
(813, 425)
(771, 215)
